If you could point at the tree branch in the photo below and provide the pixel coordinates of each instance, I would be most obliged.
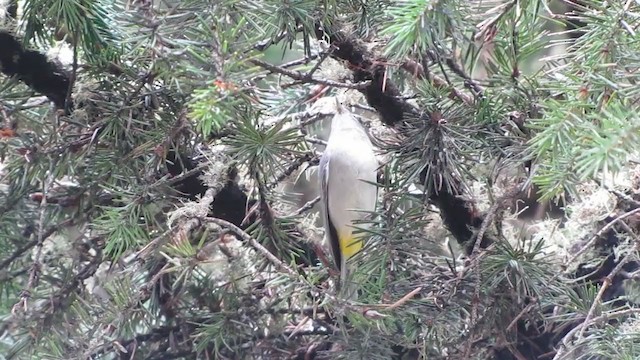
(306, 78)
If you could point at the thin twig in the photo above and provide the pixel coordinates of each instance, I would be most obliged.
(468, 81)
(168, 181)
(154, 244)
(590, 319)
(622, 196)
(264, 44)
(306, 207)
(135, 301)
(608, 280)
(323, 57)
(420, 72)
(254, 243)
(314, 140)
(489, 217)
(16, 254)
(44, 312)
(602, 232)
(73, 77)
(36, 267)
(401, 301)
(295, 165)
(292, 63)
(519, 316)
(490, 22)
(596, 320)
(474, 316)
(304, 78)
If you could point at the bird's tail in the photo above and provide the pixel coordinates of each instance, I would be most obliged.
(348, 287)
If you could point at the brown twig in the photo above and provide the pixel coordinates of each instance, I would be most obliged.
(417, 70)
(306, 207)
(292, 63)
(168, 181)
(490, 215)
(474, 316)
(608, 280)
(403, 300)
(323, 57)
(315, 141)
(468, 81)
(596, 320)
(254, 243)
(622, 195)
(36, 267)
(295, 165)
(515, 320)
(600, 233)
(305, 78)
(136, 300)
(490, 22)
(264, 44)
(46, 311)
(16, 254)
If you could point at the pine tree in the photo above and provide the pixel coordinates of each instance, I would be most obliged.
(158, 192)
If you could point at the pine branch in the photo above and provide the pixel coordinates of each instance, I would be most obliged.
(416, 69)
(295, 165)
(34, 70)
(255, 244)
(381, 93)
(307, 78)
(589, 243)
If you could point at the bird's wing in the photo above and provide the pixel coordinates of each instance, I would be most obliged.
(329, 228)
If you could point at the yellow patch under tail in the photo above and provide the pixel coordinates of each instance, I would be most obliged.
(349, 244)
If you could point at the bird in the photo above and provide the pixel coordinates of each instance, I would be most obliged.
(347, 178)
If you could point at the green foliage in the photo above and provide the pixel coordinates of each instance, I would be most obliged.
(88, 22)
(589, 127)
(279, 20)
(101, 260)
(263, 148)
(122, 229)
(420, 26)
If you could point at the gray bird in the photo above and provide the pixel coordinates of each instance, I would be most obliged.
(348, 170)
